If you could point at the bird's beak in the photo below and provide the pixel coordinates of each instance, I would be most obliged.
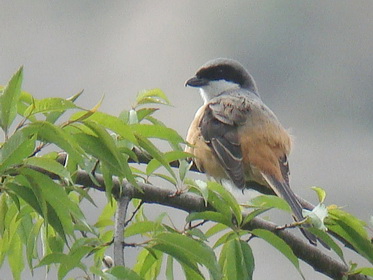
(196, 82)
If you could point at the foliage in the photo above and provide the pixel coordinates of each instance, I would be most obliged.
(42, 222)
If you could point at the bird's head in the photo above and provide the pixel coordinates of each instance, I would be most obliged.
(220, 75)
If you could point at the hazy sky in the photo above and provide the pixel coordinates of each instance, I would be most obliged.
(312, 61)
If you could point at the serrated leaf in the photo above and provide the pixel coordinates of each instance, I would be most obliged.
(9, 99)
(280, 245)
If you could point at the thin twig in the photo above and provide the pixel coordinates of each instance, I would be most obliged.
(134, 213)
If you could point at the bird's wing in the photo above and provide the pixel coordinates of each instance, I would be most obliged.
(222, 117)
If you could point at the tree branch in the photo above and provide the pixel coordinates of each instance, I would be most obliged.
(193, 203)
(120, 218)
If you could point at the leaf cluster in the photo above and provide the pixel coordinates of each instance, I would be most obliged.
(43, 224)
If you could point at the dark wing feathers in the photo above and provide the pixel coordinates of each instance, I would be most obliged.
(219, 129)
(282, 189)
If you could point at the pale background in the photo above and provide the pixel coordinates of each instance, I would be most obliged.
(312, 61)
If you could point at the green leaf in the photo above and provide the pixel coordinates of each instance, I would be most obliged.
(112, 123)
(60, 207)
(209, 216)
(188, 251)
(105, 152)
(169, 157)
(228, 198)
(151, 96)
(144, 112)
(16, 148)
(49, 165)
(124, 273)
(15, 257)
(328, 241)
(192, 274)
(48, 105)
(149, 263)
(141, 228)
(321, 194)
(32, 242)
(51, 258)
(236, 260)
(157, 131)
(155, 153)
(225, 238)
(215, 229)
(53, 134)
(23, 103)
(3, 211)
(271, 201)
(352, 230)
(368, 271)
(248, 258)
(170, 268)
(9, 100)
(28, 195)
(253, 214)
(280, 245)
(72, 260)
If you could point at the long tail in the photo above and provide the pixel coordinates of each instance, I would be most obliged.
(282, 189)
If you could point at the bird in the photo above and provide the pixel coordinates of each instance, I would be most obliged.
(234, 137)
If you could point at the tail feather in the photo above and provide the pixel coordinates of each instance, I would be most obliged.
(282, 189)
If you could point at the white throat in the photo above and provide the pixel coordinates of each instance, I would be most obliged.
(215, 88)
